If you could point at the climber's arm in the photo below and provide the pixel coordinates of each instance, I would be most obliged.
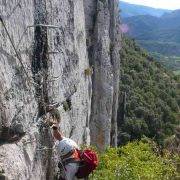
(56, 133)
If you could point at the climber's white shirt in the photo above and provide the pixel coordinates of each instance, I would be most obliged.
(66, 145)
(71, 170)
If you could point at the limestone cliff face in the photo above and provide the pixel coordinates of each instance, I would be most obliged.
(103, 32)
(80, 37)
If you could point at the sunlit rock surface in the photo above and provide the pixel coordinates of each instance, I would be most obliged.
(76, 57)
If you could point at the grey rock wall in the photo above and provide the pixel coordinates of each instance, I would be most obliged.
(102, 27)
(17, 101)
(55, 59)
(76, 56)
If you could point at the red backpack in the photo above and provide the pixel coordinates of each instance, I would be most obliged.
(89, 162)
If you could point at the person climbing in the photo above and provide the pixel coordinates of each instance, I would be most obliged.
(68, 151)
(73, 161)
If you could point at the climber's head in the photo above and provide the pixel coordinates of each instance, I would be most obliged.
(56, 133)
(55, 115)
(52, 117)
(66, 146)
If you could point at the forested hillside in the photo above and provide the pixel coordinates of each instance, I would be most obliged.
(149, 97)
(148, 114)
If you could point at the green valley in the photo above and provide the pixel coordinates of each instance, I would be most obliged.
(159, 35)
(150, 99)
(148, 119)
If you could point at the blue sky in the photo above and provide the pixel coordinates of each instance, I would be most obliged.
(165, 4)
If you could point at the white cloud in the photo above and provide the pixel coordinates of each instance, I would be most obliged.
(166, 4)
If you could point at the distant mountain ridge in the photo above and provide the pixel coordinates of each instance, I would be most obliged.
(129, 10)
(164, 29)
(147, 27)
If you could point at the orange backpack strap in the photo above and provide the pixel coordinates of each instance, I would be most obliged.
(76, 155)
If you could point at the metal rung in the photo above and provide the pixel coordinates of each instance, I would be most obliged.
(53, 52)
(43, 25)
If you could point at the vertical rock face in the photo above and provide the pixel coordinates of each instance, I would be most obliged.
(55, 59)
(17, 102)
(58, 59)
(102, 26)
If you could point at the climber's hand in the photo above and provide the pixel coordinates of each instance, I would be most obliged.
(49, 120)
(53, 123)
(54, 127)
